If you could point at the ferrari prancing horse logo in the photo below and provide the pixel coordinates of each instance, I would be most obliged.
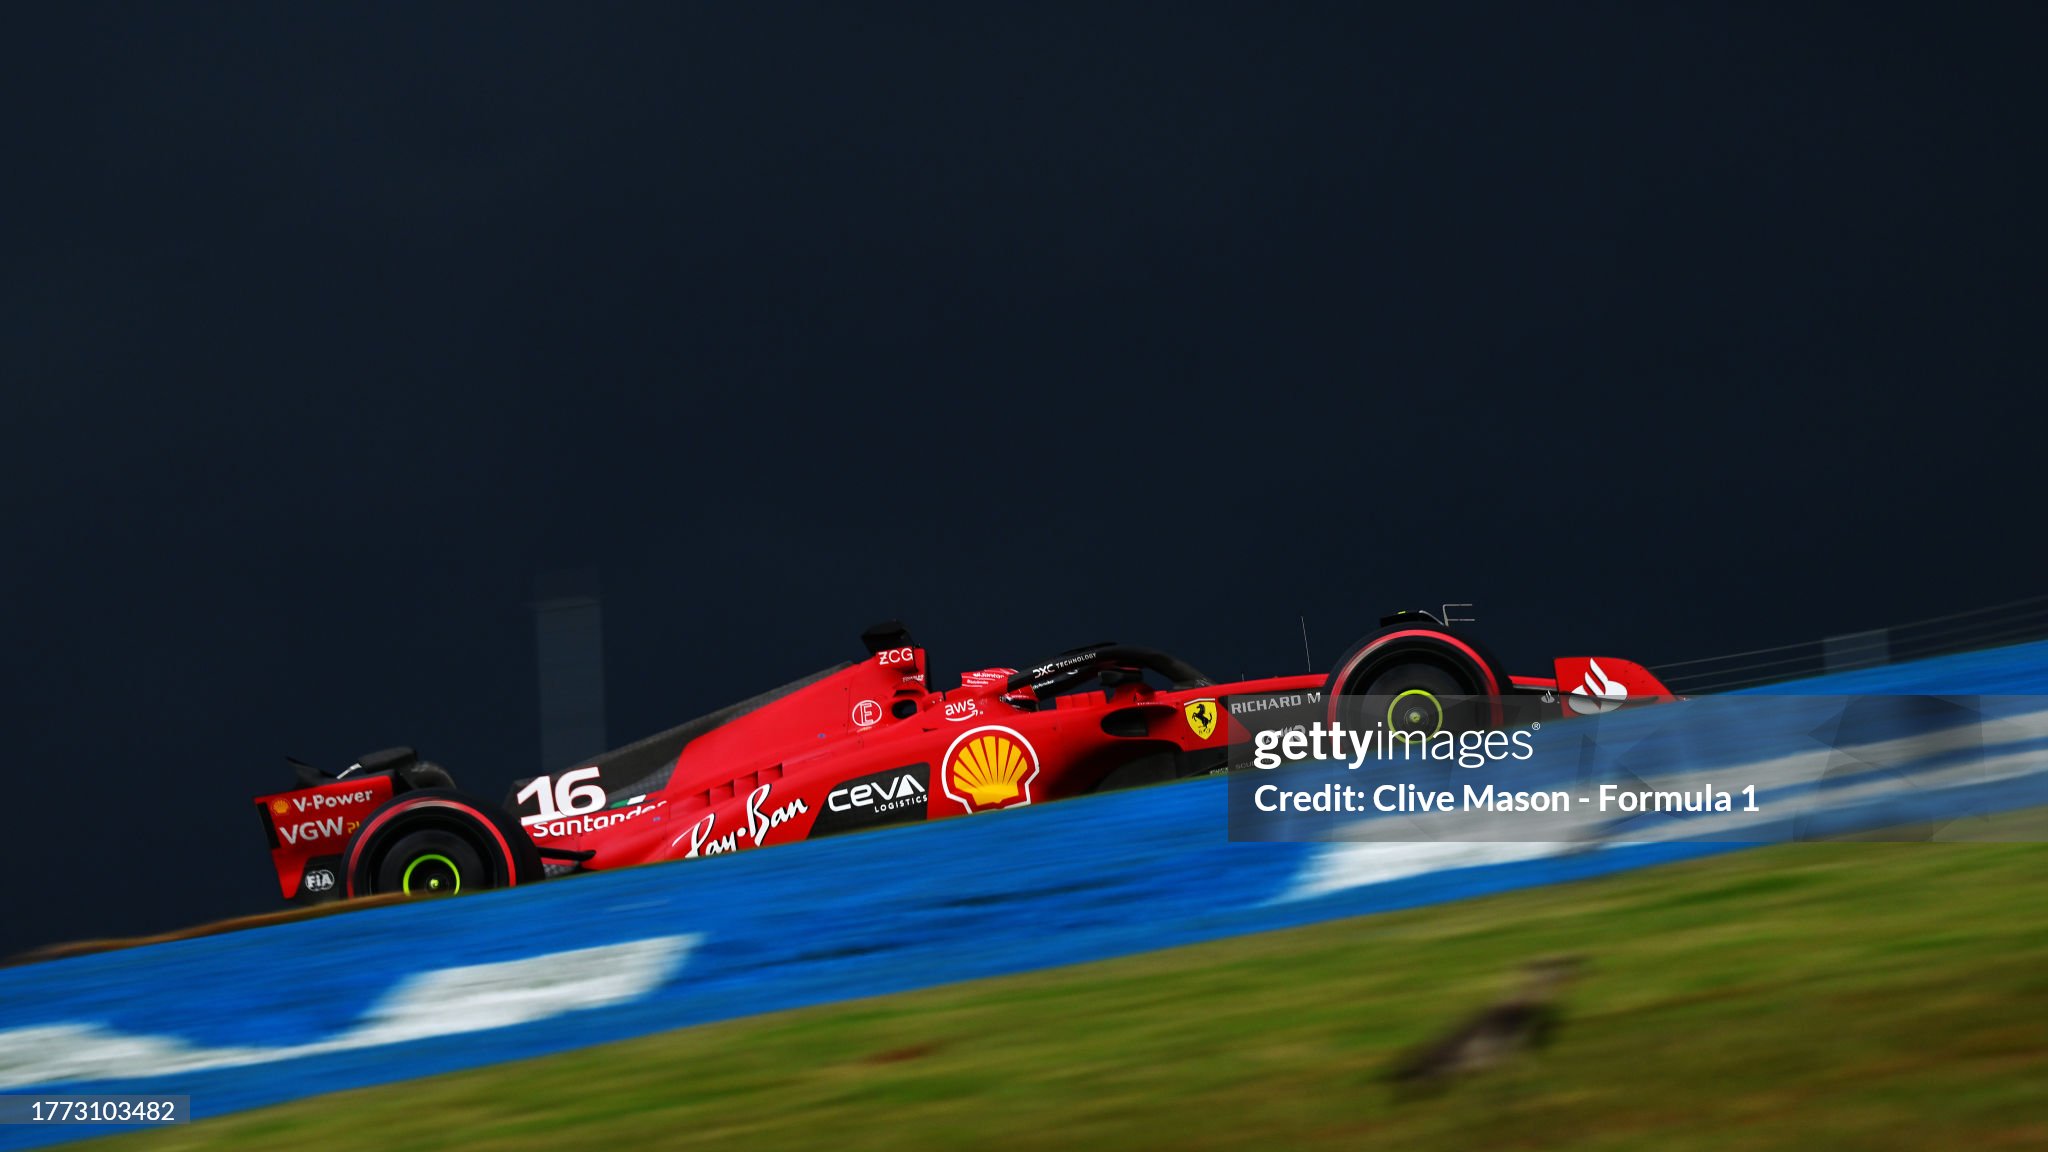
(1201, 716)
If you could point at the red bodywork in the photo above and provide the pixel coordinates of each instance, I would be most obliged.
(869, 745)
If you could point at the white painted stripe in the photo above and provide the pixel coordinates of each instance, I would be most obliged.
(1337, 867)
(448, 1002)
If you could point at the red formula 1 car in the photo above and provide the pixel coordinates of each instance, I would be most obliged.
(870, 744)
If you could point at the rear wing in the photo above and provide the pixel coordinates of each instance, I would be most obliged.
(308, 830)
(309, 827)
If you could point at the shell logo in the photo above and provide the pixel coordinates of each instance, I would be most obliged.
(990, 767)
(280, 807)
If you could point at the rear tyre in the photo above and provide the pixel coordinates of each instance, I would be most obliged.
(431, 863)
(438, 842)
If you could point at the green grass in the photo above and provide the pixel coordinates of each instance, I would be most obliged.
(1869, 996)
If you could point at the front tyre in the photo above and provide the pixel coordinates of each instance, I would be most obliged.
(1421, 700)
(1417, 680)
(1414, 698)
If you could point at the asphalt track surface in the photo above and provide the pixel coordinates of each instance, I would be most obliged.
(391, 993)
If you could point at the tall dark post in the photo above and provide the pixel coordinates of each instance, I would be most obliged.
(568, 630)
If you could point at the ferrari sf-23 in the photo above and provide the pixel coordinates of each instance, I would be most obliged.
(870, 744)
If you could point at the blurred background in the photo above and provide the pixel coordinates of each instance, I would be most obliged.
(335, 335)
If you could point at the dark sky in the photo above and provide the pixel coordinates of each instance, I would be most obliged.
(1655, 330)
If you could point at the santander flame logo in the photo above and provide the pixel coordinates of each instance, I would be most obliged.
(1598, 693)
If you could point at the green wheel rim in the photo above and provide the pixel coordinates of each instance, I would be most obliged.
(1414, 715)
(433, 885)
